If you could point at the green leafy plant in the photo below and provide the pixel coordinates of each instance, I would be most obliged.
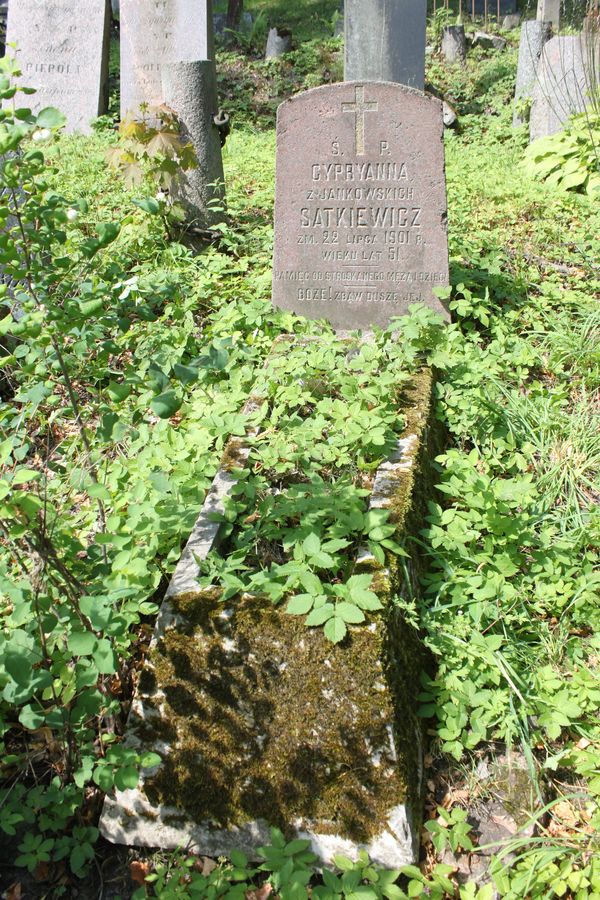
(450, 829)
(570, 159)
(152, 152)
(298, 515)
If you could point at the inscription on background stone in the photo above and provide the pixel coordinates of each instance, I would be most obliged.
(360, 208)
(62, 50)
(154, 32)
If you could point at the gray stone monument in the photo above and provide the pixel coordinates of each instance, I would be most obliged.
(3, 18)
(534, 35)
(549, 11)
(454, 44)
(257, 720)
(155, 32)
(338, 28)
(386, 41)
(360, 208)
(189, 89)
(513, 20)
(279, 41)
(564, 83)
(62, 50)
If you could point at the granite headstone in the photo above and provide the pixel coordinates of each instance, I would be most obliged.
(512, 20)
(564, 83)
(190, 90)
(155, 32)
(62, 50)
(360, 209)
(386, 41)
(454, 43)
(534, 35)
(3, 18)
(549, 11)
(279, 41)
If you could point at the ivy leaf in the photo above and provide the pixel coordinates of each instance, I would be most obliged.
(89, 308)
(50, 117)
(104, 778)
(22, 476)
(149, 760)
(118, 392)
(104, 657)
(166, 404)
(149, 205)
(185, 374)
(31, 718)
(18, 666)
(107, 233)
(127, 777)
(82, 643)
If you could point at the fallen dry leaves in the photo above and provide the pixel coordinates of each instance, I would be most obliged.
(15, 891)
(260, 893)
(454, 797)
(138, 871)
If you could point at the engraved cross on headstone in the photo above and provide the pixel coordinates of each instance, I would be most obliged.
(359, 108)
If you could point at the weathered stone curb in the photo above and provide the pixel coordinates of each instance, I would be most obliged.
(260, 720)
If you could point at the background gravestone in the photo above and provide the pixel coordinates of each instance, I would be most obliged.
(3, 18)
(454, 43)
(62, 50)
(534, 35)
(360, 208)
(386, 41)
(564, 82)
(549, 11)
(190, 90)
(154, 32)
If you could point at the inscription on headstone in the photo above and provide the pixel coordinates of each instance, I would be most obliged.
(360, 209)
(154, 32)
(62, 50)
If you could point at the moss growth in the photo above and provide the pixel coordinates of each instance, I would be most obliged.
(273, 722)
(265, 719)
(515, 790)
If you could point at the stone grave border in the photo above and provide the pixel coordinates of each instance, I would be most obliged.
(402, 484)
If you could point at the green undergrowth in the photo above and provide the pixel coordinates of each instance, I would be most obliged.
(298, 514)
(104, 472)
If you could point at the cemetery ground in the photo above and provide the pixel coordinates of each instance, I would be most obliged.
(117, 406)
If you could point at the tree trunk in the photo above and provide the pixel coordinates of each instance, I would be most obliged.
(234, 13)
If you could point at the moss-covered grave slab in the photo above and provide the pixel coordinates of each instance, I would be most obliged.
(261, 721)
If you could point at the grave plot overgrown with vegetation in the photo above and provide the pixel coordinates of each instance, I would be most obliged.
(123, 379)
(299, 514)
